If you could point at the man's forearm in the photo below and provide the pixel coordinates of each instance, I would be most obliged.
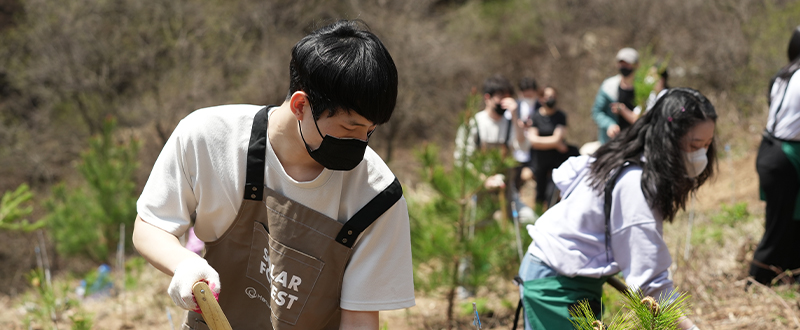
(160, 248)
(354, 320)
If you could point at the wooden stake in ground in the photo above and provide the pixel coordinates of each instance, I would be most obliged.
(212, 313)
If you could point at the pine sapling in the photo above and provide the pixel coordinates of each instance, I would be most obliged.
(638, 312)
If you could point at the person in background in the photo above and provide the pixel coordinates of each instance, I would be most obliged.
(528, 100)
(615, 203)
(547, 137)
(613, 106)
(528, 104)
(658, 89)
(489, 128)
(777, 257)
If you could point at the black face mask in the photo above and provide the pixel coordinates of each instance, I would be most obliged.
(499, 109)
(335, 153)
(550, 103)
(625, 71)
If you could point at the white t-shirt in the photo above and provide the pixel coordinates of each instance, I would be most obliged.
(200, 175)
(788, 127)
(570, 236)
(490, 131)
(525, 112)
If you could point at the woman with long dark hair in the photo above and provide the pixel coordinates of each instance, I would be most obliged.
(614, 206)
(777, 258)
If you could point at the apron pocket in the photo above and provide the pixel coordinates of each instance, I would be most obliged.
(288, 274)
(196, 324)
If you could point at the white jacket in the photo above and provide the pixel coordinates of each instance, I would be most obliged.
(570, 236)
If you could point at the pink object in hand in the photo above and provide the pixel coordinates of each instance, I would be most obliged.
(193, 243)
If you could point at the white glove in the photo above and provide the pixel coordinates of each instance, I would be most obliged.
(186, 275)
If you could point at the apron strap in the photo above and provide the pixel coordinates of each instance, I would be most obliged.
(777, 110)
(256, 156)
(369, 213)
(508, 132)
(477, 133)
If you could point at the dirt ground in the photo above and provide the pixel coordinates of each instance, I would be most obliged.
(713, 274)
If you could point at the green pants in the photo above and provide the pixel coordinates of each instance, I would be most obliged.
(547, 301)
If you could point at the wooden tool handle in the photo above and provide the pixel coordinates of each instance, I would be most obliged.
(212, 313)
(614, 282)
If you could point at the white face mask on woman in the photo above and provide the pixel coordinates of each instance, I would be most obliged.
(696, 162)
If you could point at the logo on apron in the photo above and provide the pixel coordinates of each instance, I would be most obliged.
(289, 275)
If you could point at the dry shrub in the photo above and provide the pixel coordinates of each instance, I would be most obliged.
(151, 62)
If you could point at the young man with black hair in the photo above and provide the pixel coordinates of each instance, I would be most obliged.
(305, 226)
(490, 128)
(497, 126)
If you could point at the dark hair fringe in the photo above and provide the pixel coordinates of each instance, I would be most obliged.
(343, 67)
(497, 83)
(528, 83)
(551, 87)
(657, 136)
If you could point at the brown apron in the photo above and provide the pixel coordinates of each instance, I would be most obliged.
(281, 264)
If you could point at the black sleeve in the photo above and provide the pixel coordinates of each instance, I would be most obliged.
(534, 117)
(560, 118)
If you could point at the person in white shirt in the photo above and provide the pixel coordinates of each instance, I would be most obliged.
(776, 259)
(529, 103)
(491, 129)
(305, 226)
(615, 202)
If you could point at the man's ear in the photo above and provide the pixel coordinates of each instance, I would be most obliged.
(298, 103)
